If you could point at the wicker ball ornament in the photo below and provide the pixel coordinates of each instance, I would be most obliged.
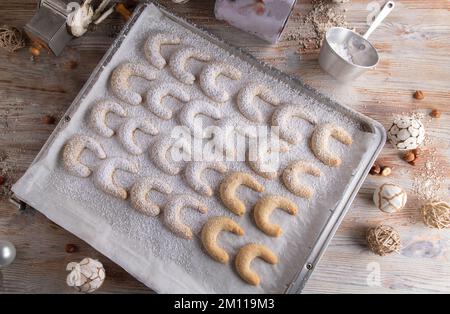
(436, 214)
(11, 38)
(383, 240)
(406, 133)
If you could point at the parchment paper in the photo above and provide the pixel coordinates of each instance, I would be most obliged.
(143, 245)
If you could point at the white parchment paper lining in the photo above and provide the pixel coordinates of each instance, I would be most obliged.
(143, 246)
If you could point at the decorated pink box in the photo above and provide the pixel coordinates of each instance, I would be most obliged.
(263, 18)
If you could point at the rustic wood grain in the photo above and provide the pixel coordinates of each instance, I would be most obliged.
(414, 46)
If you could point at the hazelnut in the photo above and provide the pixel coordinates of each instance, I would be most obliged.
(71, 248)
(409, 156)
(435, 113)
(260, 8)
(375, 170)
(419, 95)
(417, 152)
(48, 119)
(386, 171)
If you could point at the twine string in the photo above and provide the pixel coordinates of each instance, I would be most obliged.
(11, 38)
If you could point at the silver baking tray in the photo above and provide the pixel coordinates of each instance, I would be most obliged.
(358, 176)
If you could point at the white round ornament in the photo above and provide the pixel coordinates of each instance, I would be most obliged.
(406, 133)
(389, 198)
(7, 253)
(85, 276)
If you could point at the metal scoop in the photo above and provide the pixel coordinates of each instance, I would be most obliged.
(345, 55)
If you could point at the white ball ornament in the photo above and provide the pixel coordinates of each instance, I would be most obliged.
(85, 276)
(7, 253)
(389, 198)
(406, 133)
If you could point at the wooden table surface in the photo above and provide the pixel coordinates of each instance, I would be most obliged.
(414, 45)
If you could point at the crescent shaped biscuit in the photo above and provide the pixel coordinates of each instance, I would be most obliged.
(226, 131)
(104, 176)
(155, 97)
(193, 175)
(246, 103)
(245, 257)
(158, 154)
(261, 163)
(281, 118)
(208, 77)
(178, 60)
(139, 191)
(97, 118)
(72, 152)
(127, 132)
(152, 48)
(229, 186)
(291, 177)
(210, 232)
(320, 139)
(192, 110)
(120, 81)
(264, 208)
(172, 212)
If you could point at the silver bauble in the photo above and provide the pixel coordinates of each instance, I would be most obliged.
(7, 253)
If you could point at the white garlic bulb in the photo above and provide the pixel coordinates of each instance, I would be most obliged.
(85, 276)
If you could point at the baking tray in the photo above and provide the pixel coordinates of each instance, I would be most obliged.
(358, 176)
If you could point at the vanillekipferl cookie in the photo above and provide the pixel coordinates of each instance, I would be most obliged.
(210, 232)
(264, 208)
(229, 186)
(245, 257)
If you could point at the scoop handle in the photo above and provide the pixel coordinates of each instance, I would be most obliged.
(387, 9)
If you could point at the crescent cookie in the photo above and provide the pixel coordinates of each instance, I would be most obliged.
(229, 186)
(127, 133)
(140, 190)
(291, 177)
(152, 48)
(210, 232)
(262, 164)
(225, 134)
(104, 175)
(192, 110)
(178, 60)
(120, 81)
(193, 173)
(155, 97)
(72, 152)
(282, 119)
(172, 212)
(208, 77)
(97, 118)
(246, 255)
(265, 206)
(158, 154)
(320, 139)
(246, 101)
